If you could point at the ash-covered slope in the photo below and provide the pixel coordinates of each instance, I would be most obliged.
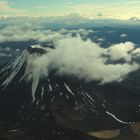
(31, 87)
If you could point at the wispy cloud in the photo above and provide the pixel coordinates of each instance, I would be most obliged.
(133, 2)
(110, 10)
(42, 7)
(6, 7)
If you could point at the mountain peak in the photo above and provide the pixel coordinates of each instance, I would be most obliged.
(36, 49)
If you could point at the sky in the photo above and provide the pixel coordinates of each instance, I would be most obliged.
(120, 9)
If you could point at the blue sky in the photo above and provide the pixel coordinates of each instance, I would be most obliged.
(120, 9)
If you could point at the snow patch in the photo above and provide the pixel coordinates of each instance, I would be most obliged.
(123, 122)
(68, 88)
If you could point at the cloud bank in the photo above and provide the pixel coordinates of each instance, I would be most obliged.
(28, 31)
(85, 60)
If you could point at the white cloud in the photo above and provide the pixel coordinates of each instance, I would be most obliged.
(101, 39)
(121, 51)
(111, 32)
(82, 59)
(7, 49)
(5, 55)
(123, 35)
(82, 32)
(134, 19)
(5, 52)
(72, 56)
(93, 66)
(136, 52)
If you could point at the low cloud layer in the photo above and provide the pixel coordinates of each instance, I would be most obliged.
(27, 32)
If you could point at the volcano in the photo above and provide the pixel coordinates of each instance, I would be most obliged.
(32, 91)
